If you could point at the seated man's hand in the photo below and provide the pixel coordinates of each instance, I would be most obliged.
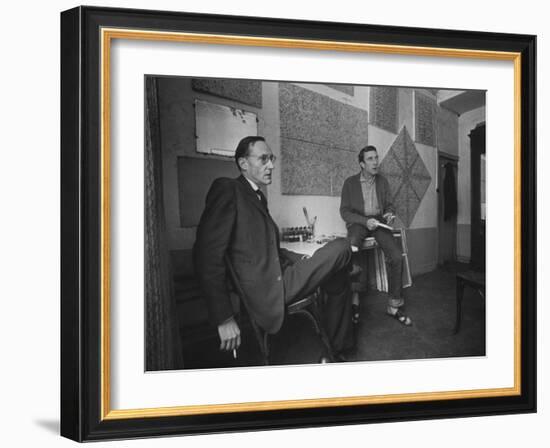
(372, 224)
(230, 335)
(389, 218)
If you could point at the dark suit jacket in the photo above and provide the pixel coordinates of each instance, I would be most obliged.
(352, 205)
(235, 223)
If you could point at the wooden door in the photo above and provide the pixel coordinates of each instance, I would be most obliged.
(477, 148)
(447, 207)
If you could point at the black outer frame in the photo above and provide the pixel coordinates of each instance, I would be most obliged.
(80, 223)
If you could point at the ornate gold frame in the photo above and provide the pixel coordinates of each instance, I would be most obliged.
(107, 36)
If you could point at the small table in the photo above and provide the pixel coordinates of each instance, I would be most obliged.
(305, 247)
(473, 279)
(309, 248)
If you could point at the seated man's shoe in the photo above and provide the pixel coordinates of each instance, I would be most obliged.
(354, 270)
(399, 316)
(355, 315)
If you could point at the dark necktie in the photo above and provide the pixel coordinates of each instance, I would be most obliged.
(263, 201)
(262, 197)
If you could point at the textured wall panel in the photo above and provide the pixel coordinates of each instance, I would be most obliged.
(244, 91)
(342, 88)
(311, 169)
(320, 139)
(194, 179)
(316, 118)
(384, 108)
(305, 168)
(447, 131)
(424, 112)
(343, 164)
(408, 176)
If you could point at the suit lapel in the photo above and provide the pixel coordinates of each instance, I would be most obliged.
(251, 195)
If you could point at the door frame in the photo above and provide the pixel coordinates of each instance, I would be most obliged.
(443, 158)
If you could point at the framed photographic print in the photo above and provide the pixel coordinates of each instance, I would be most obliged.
(274, 224)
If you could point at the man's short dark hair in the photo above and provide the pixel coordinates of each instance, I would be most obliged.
(364, 150)
(244, 146)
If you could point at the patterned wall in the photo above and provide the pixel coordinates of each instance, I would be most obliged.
(312, 169)
(242, 90)
(320, 139)
(425, 110)
(383, 105)
(408, 176)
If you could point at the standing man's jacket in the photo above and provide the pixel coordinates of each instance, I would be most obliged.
(235, 223)
(352, 205)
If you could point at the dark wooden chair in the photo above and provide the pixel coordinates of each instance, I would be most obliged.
(308, 306)
(473, 279)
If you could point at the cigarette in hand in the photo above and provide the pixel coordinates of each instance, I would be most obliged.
(234, 354)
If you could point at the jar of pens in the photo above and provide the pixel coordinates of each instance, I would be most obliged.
(297, 234)
(300, 234)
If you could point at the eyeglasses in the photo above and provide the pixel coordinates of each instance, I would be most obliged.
(265, 158)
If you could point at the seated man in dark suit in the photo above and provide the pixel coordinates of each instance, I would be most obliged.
(236, 223)
(365, 204)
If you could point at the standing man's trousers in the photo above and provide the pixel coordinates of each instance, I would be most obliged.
(327, 268)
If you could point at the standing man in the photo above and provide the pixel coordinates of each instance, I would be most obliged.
(365, 203)
(236, 225)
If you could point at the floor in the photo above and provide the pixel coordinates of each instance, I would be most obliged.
(430, 304)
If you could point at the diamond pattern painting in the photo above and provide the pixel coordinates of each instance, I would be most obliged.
(407, 175)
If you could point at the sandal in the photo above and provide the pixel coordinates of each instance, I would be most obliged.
(354, 271)
(401, 318)
(355, 313)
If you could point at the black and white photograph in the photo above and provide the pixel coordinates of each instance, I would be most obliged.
(291, 223)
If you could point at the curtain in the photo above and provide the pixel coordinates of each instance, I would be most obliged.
(162, 340)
